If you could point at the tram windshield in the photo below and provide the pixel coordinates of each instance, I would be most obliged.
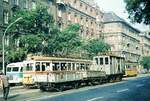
(12, 69)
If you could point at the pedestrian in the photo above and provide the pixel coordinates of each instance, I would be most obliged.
(4, 85)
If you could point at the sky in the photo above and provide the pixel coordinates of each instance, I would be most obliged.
(118, 6)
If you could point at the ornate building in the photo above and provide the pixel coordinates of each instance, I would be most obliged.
(87, 14)
(123, 38)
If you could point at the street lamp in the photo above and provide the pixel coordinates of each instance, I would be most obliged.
(3, 41)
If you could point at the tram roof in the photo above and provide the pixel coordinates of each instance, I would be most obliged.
(43, 58)
(111, 55)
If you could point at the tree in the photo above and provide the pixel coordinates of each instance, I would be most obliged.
(146, 62)
(65, 42)
(32, 31)
(37, 35)
(139, 10)
(94, 46)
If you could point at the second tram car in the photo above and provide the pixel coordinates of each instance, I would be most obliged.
(112, 65)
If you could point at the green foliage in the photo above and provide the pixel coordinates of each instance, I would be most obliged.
(13, 55)
(33, 30)
(146, 62)
(139, 10)
(95, 46)
(66, 41)
(34, 21)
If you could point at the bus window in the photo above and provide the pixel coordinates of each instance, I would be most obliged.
(21, 69)
(15, 69)
(37, 66)
(101, 61)
(106, 60)
(9, 69)
(96, 59)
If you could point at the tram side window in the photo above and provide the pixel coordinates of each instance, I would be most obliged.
(21, 69)
(37, 66)
(101, 61)
(77, 66)
(106, 60)
(96, 59)
(69, 66)
(111, 60)
(87, 66)
(82, 67)
(29, 67)
(43, 66)
(63, 66)
(56, 66)
(47, 66)
(73, 66)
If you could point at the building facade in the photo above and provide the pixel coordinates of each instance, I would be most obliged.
(83, 12)
(145, 44)
(123, 38)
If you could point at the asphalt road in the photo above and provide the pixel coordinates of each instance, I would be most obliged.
(130, 89)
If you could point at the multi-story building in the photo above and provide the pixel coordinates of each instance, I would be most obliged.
(123, 38)
(145, 44)
(83, 12)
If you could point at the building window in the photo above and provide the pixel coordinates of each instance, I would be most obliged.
(16, 2)
(6, 0)
(80, 4)
(6, 17)
(75, 1)
(86, 7)
(128, 45)
(33, 5)
(69, 16)
(26, 4)
(91, 10)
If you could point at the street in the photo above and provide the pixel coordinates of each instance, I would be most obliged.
(130, 89)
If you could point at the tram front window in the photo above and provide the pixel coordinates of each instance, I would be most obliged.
(8, 69)
(15, 69)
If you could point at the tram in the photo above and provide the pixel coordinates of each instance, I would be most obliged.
(15, 72)
(51, 72)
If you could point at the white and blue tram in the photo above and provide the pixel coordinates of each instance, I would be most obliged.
(15, 72)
